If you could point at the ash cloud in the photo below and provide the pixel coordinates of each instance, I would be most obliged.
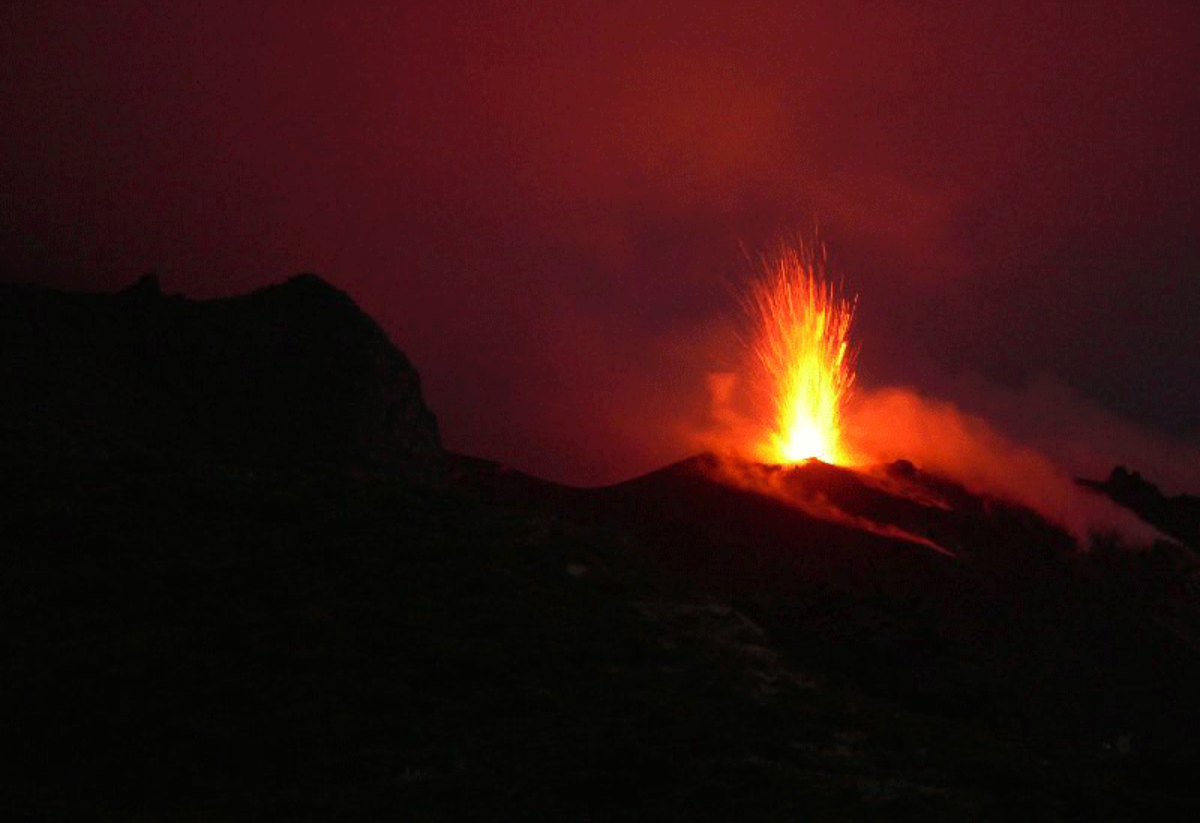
(1077, 433)
(898, 423)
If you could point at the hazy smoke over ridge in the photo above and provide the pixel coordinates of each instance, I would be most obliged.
(895, 423)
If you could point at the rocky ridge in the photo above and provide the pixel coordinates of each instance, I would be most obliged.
(294, 373)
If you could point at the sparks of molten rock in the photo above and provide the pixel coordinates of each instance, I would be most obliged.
(800, 342)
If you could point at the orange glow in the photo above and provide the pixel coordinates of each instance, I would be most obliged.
(801, 346)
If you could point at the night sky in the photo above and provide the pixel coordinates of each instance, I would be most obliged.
(550, 208)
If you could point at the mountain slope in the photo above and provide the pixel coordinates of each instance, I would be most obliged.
(247, 643)
(213, 616)
(1016, 628)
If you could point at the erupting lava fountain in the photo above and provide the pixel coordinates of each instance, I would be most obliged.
(800, 341)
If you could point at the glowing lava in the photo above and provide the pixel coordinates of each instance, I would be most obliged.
(801, 344)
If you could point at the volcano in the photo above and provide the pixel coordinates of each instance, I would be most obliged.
(971, 580)
(216, 616)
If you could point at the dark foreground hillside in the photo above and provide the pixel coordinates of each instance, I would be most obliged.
(197, 640)
(241, 580)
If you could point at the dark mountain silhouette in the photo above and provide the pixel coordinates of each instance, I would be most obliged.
(290, 374)
(1178, 516)
(214, 611)
(1015, 624)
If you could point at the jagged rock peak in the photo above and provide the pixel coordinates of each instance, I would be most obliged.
(291, 373)
(146, 286)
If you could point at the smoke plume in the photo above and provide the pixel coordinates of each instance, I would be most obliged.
(897, 423)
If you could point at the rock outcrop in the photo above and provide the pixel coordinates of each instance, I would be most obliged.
(292, 374)
(1178, 516)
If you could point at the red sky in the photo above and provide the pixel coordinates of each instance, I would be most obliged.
(549, 206)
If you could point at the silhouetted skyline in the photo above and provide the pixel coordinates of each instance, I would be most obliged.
(549, 207)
